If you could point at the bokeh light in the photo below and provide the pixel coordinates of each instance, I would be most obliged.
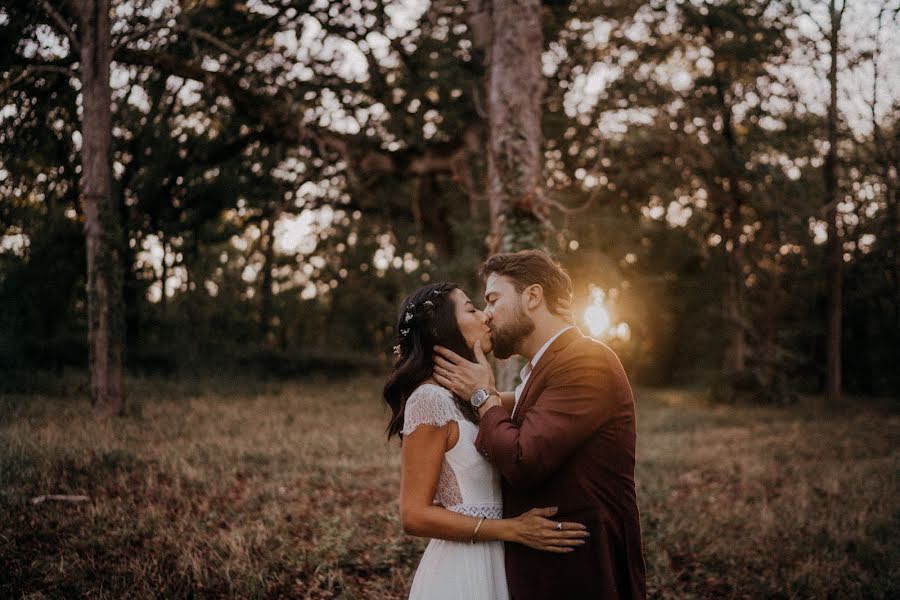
(596, 317)
(599, 321)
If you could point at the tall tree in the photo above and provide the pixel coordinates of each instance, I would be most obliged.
(886, 150)
(106, 319)
(515, 90)
(834, 249)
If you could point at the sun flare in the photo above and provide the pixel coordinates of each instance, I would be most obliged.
(598, 320)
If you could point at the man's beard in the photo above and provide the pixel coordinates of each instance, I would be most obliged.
(506, 340)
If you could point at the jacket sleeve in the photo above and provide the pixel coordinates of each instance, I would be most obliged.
(577, 400)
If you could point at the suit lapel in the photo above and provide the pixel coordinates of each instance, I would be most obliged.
(542, 367)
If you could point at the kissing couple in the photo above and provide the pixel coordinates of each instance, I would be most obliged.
(525, 494)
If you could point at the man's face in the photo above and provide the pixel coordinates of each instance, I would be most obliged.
(509, 322)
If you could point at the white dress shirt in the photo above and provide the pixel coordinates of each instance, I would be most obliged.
(530, 365)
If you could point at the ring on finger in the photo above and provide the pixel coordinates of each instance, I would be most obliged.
(559, 526)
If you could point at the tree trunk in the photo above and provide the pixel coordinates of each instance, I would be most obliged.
(267, 243)
(886, 159)
(515, 164)
(894, 252)
(195, 304)
(733, 307)
(131, 288)
(515, 91)
(834, 251)
(102, 228)
(430, 215)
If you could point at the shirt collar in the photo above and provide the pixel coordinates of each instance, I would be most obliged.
(529, 366)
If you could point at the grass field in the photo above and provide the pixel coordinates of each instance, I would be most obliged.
(288, 489)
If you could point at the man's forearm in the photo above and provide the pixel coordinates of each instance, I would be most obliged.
(498, 440)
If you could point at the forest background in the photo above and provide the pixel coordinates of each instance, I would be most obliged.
(284, 173)
(210, 212)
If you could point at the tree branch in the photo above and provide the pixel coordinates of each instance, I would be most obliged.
(214, 41)
(138, 34)
(22, 76)
(278, 119)
(61, 23)
(572, 210)
(59, 498)
(30, 68)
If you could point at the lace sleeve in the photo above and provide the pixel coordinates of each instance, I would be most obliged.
(429, 405)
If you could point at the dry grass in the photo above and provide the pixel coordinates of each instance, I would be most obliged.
(248, 489)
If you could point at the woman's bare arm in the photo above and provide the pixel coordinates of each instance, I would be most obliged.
(508, 400)
(422, 457)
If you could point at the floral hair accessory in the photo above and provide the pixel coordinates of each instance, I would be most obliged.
(425, 309)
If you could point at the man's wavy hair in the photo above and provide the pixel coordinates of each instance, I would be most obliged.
(530, 267)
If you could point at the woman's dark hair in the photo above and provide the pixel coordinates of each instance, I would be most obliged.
(427, 318)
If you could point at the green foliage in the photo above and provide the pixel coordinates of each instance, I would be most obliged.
(224, 128)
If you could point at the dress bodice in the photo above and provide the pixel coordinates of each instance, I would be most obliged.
(468, 484)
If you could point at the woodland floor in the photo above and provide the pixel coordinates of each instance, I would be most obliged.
(241, 488)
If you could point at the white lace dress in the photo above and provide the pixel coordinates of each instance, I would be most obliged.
(469, 485)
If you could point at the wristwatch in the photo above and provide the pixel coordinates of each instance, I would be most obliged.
(480, 396)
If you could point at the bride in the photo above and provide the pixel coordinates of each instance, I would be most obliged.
(448, 491)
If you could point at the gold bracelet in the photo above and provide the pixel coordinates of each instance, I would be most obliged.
(477, 527)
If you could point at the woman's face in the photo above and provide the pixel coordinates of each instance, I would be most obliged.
(472, 322)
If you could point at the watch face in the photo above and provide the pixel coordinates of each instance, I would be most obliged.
(479, 398)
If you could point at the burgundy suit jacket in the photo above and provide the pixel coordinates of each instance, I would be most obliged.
(571, 444)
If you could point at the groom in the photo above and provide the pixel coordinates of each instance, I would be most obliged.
(564, 438)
